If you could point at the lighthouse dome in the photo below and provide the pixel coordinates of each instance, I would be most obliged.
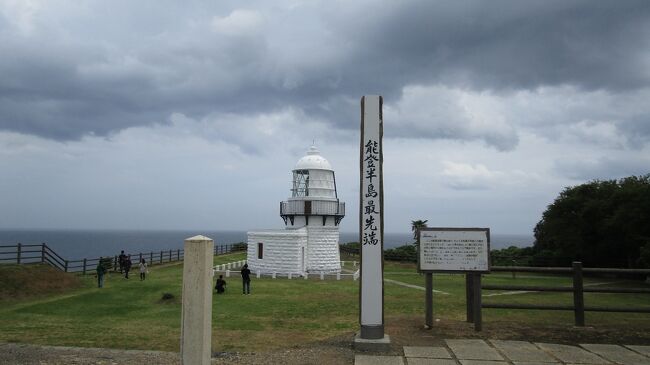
(313, 161)
(313, 178)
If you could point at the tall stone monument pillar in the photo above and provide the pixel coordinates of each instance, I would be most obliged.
(196, 320)
(371, 228)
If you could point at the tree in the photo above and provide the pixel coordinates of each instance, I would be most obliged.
(416, 226)
(601, 223)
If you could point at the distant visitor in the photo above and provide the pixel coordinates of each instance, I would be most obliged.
(246, 279)
(221, 285)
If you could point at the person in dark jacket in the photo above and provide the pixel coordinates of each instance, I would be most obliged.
(221, 285)
(101, 271)
(121, 260)
(246, 279)
(127, 266)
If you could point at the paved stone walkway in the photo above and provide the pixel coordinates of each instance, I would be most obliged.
(497, 352)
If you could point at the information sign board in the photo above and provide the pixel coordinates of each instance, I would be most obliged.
(454, 249)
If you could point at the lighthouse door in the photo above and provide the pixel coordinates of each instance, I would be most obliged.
(302, 259)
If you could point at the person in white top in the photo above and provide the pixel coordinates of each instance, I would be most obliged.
(143, 269)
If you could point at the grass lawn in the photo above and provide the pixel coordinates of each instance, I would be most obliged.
(279, 313)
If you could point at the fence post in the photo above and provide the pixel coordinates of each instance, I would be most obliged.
(140, 258)
(151, 258)
(178, 255)
(66, 265)
(578, 295)
(469, 302)
(18, 253)
(170, 255)
(43, 253)
(84, 271)
(161, 257)
(115, 263)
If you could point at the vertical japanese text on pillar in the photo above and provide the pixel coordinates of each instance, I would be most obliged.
(371, 208)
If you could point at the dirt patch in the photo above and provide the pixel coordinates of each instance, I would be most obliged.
(409, 331)
(25, 281)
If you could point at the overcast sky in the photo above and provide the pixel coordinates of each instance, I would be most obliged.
(191, 115)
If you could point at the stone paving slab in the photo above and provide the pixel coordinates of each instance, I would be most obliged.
(473, 350)
(645, 350)
(377, 360)
(482, 362)
(572, 354)
(522, 351)
(617, 354)
(427, 351)
(422, 361)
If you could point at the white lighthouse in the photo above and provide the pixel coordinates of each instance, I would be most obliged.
(310, 240)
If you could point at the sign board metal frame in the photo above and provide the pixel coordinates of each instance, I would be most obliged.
(454, 230)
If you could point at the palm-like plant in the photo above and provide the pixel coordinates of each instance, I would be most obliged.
(416, 226)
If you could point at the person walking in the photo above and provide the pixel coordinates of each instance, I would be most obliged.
(143, 269)
(127, 266)
(246, 279)
(121, 259)
(221, 285)
(101, 270)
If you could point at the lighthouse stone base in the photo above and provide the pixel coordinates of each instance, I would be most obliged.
(296, 251)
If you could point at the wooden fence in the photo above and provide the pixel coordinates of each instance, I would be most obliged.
(474, 302)
(42, 253)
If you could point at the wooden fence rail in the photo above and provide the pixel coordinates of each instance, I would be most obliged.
(579, 308)
(42, 253)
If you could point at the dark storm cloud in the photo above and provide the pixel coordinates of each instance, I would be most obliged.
(62, 89)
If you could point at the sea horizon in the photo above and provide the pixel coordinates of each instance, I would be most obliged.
(79, 243)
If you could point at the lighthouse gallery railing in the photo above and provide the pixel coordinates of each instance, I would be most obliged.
(312, 207)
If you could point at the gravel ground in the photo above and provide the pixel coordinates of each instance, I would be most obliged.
(11, 353)
(404, 331)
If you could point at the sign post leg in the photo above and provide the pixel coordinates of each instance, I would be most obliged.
(469, 295)
(476, 301)
(429, 300)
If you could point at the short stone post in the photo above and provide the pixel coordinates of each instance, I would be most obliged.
(322, 275)
(273, 275)
(196, 320)
(227, 273)
(306, 276)
(258, 274)
(289, 276)
(338, 276)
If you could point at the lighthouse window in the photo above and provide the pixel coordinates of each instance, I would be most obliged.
(300, 183)
(260, 250)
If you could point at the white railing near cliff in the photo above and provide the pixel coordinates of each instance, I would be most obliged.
(230, 268)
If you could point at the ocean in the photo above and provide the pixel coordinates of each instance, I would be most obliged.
(79, 244)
